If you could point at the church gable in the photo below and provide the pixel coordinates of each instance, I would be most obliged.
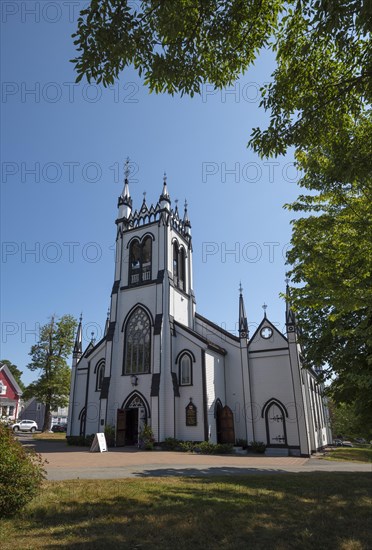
(267, 337)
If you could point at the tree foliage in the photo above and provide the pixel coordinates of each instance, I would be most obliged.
(49, 356)
(15, 372)
(319, 100)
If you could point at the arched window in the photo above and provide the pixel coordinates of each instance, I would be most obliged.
(140, 256)
(137, 359)
(100, 373)
(185, 370)
(179, 266)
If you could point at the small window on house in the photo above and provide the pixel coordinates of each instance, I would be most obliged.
(2, 388)
(185, 374)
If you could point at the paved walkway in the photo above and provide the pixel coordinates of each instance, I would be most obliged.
(78, 463)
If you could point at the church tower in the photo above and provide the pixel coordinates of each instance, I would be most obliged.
(152, 290)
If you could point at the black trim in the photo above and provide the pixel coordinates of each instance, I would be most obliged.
(158, 323)
(265, 410)
(160, 276)
(141, 283)
(155, 384)
(115, 287)
(111, 331)
(185, 351)
(220, 329)
(266, 350)
(208, 343)
(176, 390)
(140, 239)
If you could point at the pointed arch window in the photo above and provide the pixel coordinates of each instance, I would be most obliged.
(137, 358)
(100, 373)
(140, 258)
(185, 370)
(179, 262)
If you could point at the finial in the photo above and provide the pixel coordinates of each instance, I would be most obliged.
(126, 169)
(92, 341)
(185, 205)
(81, 317)
(165, 178)
(240, 288)
(264, 307)
(108, 312)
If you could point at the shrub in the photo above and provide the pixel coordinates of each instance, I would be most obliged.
(241, 443)
(146, 438)
(110, 435)
(171, 444)
(258, 446)
(21, 474)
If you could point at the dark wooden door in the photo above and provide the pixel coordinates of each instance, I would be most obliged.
(131, 429)
(120, 428)
(226, 425)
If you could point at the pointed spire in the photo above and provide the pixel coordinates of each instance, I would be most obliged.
(92, 340)
(176, 213)
(164, 199)
(125, 200)
(107, 324)
(144, 205)
(186, 220)
(243, 323)
(78, 347)
(290, 317)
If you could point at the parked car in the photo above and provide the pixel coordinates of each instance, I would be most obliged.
(347, 444)
(360, 440)
(337, 443)
(59, 428)
(25, 426)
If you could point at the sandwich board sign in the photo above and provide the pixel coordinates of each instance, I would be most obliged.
(99, 443)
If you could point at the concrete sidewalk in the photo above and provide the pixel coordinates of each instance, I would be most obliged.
(65, 462)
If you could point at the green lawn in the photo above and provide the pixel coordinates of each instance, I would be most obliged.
(355, 454)
(266, 511)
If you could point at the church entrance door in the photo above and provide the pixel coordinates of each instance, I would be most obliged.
(131, 426)
(275, 426)
(120, 428)
(225, 425)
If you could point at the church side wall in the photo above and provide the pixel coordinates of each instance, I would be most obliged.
(271, 378)
(215, 383)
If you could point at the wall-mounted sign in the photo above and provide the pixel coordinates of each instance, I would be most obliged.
(191, 416)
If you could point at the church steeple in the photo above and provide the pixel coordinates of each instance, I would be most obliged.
(290, 317)
(78, 347)
(164, 199)
(125, 200)
(243, 323)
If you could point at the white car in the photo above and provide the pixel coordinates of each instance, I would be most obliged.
(25, 426)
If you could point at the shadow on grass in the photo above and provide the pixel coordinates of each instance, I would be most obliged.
(312, 510)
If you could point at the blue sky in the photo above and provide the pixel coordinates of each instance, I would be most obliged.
(62, 156)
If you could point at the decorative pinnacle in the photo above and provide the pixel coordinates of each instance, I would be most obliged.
(126, 169)
(165, 177)
(240, 288)
(81, 317)
(264, 307)
(108, 313)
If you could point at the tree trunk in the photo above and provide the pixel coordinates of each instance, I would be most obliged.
(47, 418)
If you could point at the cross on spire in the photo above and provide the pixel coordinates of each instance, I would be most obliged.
(264, 307)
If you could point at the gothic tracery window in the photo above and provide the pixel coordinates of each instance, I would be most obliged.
(137, 343)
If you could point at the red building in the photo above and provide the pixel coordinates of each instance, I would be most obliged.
(10, 395)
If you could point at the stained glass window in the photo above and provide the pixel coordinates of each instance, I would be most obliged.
(137, 343)
(185, 371)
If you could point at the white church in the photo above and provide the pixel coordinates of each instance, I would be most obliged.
(163, 364)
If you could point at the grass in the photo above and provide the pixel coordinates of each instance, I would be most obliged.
(354, 454)
(50, 436)
(286, 511)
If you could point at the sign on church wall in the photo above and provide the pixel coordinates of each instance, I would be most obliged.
(191, 414)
